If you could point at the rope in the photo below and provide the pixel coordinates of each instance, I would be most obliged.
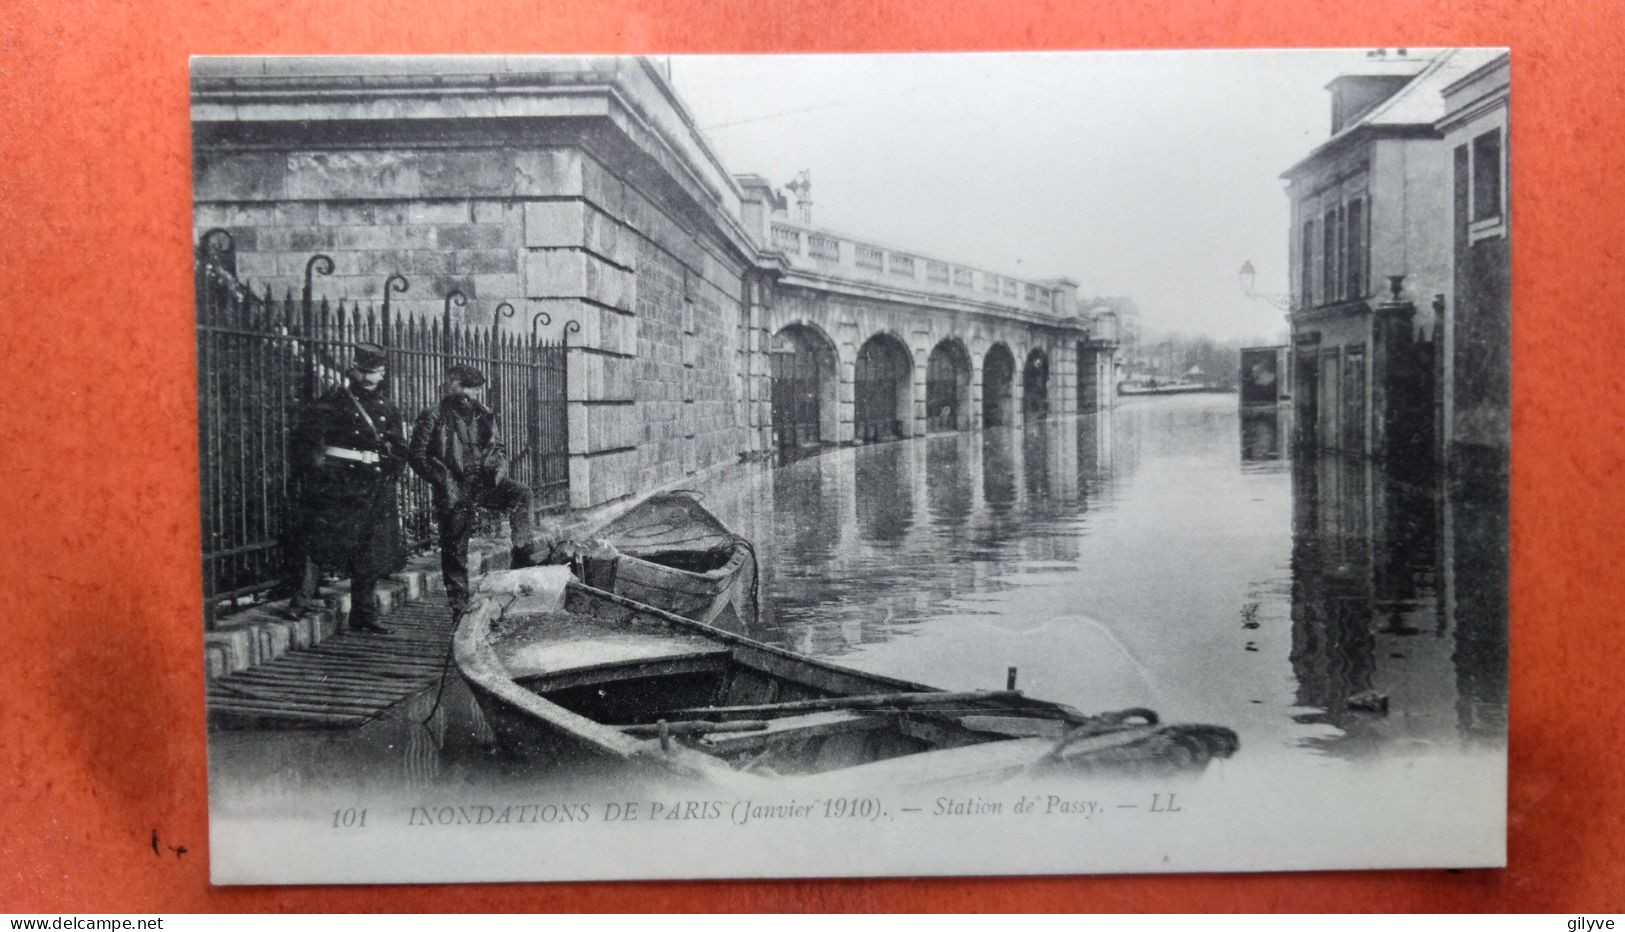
(445, 665)
(755, 579)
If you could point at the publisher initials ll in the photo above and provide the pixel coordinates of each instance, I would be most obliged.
(1158, 804)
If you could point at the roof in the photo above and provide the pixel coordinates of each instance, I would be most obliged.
(1417, 105)
(1395, 67)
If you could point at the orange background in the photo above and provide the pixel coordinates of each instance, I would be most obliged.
(101, 687)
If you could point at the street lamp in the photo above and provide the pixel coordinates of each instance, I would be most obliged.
(1248, 275)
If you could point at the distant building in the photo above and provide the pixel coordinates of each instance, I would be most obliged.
(1370, 248)
(1263, 375)
(1475, 372)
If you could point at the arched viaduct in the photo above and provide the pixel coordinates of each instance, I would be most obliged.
(902, 345)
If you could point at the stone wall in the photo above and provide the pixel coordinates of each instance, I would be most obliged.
(653, 387)
(581, 192)
(281, 210)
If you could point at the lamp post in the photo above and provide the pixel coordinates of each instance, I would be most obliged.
(1282, 303)
(1248, 276)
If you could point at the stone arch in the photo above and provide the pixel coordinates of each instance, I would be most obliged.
(1035, 376)
(998, 386)
(805, 386)
(883, 390)
(947, 386)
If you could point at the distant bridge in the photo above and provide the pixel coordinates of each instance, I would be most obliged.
(870, 343)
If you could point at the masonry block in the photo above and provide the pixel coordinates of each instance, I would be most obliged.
(575, 273)
(607, 238)
(353, 174)
(484, 261)
(382, 263)
(595, 428)
(548, 173)
(240, 176)
(494, 288)
(235, 647)
(216, 662)
(470, 235)
(257, 265)
(466, 172)
(603, 188)
(556, 224)
(598, 479)
(363, 213)
(380, 237)
(596, 377)
(493, 212)
(238, 218)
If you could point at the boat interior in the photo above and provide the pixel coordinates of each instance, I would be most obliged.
(750, 707)
(688, 560)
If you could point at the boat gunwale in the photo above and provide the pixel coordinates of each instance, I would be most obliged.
(479, 662)
(717, 579)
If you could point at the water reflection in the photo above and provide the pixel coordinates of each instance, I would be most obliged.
(1263, 433)
(1371, 543)
(1157, 528)
(1164, 554)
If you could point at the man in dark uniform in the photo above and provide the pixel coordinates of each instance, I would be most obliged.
(348, 451)
(457, 450)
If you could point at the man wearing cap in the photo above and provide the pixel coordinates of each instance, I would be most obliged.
(457, 450)
(348, 451)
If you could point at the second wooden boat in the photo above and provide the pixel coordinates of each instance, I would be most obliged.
(675, 555)
(564, 672)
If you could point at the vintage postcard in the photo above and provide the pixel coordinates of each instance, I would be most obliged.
(790, 466)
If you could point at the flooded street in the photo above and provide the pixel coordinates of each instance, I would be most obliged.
(1135, 558)
(1132, 558)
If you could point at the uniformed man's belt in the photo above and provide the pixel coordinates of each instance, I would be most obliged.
(359, 456)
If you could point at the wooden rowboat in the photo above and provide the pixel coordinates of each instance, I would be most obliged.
(567, 673)
(675, 555)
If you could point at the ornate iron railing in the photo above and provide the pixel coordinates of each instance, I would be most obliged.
(262, 357)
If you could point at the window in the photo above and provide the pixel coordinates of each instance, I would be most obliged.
(1306, 248)
(1462, 193)
(1487, 176)
(1328, 256)
(1355, 265)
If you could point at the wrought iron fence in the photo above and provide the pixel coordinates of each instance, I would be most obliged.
(262, 357)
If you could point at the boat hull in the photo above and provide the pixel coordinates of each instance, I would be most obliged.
(549, 674)
(675, 555)
(725, 597)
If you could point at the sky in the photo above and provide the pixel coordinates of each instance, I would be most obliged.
(1151, 175)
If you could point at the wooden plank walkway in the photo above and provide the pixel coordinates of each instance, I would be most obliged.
(345, 681)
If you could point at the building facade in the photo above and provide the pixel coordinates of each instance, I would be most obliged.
(580, 192)
(1475, 375)
(1372, 257)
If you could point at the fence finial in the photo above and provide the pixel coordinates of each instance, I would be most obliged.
(210, 243)
(541, 318)
(320, 263)
(452, 297)
(502, 310)
(396, 282)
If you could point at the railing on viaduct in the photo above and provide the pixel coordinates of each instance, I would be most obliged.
(894, 266)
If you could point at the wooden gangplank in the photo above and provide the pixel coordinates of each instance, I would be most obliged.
(345, 681)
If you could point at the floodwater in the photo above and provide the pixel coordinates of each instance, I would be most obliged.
(1158, 555)
(1167, 554)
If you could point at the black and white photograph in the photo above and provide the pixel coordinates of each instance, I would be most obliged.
(678, 467)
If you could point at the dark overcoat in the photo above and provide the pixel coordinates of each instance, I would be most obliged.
(457, 450)
(348, 513)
